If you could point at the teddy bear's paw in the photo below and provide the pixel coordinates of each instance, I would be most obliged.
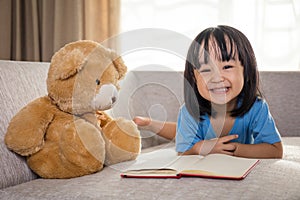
(128, 127)
(122, 141)
(89, 138)
(80, 151)
(26, 151)
(102, 118)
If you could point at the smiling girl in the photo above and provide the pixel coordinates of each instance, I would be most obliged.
(224, 111)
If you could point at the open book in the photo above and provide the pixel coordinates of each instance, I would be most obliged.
(165, 163)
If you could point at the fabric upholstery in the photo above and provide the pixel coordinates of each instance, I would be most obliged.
(270, 179)
(282, 92)
(20, 83)
(157, 94)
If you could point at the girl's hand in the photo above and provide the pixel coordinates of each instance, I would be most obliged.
(161, 128)
(142, 122)
(219, 145)
(146, 123)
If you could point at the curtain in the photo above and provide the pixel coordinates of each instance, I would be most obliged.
(32, 30)
(272, 26)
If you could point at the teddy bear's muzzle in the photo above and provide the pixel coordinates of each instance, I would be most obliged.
(106, 97)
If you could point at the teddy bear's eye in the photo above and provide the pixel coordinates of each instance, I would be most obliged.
(97, 81)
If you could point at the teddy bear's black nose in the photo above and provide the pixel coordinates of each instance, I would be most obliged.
(113, 99)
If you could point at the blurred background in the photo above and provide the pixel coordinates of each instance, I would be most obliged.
(32, 30)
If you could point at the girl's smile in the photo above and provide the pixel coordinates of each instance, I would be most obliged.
(220, 81)
(218, 90)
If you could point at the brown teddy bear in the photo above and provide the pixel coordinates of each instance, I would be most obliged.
(66, 133)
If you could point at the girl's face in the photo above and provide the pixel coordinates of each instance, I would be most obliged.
(220, 82)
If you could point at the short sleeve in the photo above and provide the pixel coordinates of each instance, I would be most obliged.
(263, 125)
(186, 130)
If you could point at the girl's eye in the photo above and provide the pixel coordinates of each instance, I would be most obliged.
(204, 70)
(97, 81)
(227, 67)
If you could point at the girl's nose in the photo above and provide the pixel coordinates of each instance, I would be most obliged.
(217, 76)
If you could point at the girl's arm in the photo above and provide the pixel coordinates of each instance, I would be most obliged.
(221, 145)
(217, 145)
(163, 129)
(224, 146)
(263, 125)
(262, 150)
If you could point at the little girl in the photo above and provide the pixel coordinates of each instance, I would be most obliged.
(224, 111)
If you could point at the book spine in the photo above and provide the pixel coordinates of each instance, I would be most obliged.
(162, 177)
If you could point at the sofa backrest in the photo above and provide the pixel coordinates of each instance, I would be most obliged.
(20, 83)
(159, 94)
(282, 92)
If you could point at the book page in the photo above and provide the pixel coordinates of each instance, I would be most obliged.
(185, 162)
(166, 162)
(159, 159)
(221, 165)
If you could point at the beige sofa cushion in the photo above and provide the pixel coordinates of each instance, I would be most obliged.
(271, 179)
(20, 83)
(282, 92)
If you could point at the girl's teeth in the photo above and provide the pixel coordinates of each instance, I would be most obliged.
(220, 90)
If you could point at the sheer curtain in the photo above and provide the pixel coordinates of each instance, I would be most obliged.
(272, 26)
(33, 30)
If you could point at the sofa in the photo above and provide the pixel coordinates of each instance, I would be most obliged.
(156, 93)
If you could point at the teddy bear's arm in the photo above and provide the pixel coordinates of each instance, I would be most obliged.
(103, 118)
(82, 144)
(25, 133)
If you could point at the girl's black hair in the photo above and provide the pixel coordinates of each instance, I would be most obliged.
(226, 42)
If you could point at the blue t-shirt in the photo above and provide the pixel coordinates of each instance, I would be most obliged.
(254, 127)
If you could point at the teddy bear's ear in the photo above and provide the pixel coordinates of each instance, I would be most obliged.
(119, 65)
(70, 67)
(70, 59)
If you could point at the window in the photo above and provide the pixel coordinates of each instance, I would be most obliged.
(272, 26)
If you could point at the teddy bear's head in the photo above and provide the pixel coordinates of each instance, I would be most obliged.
(83, 77)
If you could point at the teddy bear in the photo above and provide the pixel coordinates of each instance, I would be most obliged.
(67, 133)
